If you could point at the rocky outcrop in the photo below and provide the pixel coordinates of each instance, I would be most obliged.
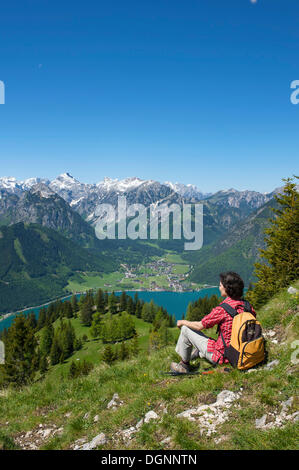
(277, 419)
(33, 440)
(209, 417)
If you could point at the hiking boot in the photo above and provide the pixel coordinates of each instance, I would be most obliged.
(194, 354)
(179, 368)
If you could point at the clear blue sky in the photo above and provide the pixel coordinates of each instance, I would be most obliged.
(194, 91)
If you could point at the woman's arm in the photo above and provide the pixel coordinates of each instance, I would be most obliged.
(194, 325)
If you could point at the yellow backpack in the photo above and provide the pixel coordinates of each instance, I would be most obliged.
(247, 345)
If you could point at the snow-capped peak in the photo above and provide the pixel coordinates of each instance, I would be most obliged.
(123, 185)
(64, 181)
(42, 190)
(186, 190)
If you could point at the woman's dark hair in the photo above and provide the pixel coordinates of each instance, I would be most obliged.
(233, 284)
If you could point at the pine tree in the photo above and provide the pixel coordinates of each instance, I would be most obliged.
(74, 303)
(123, 353)
(123, 301)
(138, 309)
(134, 346)
(95, 329)
(32, 320)
(106, 297)
(100, 301)
(130, 306)
(72, 370)
(154, 342)
(281, 255)
(86, 314)
(68, 309)
(41, 318)
(164, 335)
(108, 355)
(159, 317)
(20, 352)
(112, 303)
(46, 340)
(43, 364)
(55, 352)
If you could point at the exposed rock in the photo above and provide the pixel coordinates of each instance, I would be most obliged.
(292, 290)
(260, 423)
(35, 438)
(210, 416)
(150, 415)
(115, 402)
(99, 440)
(96, 418)
(78, 443)
(167, 440)
(272, 364)
(275, 419)
(127, 434)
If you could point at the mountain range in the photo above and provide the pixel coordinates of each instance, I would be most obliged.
(221, 210)
(233, 230)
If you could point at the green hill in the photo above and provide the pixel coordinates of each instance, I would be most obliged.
(238, 249)
(59, 413)
(36, 263)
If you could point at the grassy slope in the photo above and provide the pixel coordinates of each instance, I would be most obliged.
(142, 387)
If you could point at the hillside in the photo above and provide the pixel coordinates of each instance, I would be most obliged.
(36, 263)
(254, 410)
(238, 248)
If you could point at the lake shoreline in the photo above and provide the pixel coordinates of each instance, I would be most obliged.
(5, 316)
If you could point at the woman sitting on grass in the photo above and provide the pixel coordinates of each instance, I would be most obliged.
(231, 287)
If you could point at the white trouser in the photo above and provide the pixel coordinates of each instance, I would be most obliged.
(188, 339)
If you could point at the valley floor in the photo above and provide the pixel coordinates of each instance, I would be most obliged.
(169, 273)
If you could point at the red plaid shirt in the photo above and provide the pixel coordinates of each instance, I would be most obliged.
(218, 316)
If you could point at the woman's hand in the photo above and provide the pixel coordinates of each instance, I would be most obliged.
(180, 323)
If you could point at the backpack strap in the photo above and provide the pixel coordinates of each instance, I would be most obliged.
(232, 312)
(247, 306)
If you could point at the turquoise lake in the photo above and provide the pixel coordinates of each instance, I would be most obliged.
(175, 302)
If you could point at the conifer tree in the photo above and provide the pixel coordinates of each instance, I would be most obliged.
(123, 301)
(134, 346)
(55, 352)
(95, 329)
(164, 335)
(108, 355)
(72, 370)
(86, 314)
(43, 364)
(106, 297)
(100, 301)
(46, 339)
(130, 306)
(74, 303)
(32, 320)
(281, 255)
(154, 340)
(123, 353)
(138, 309)
(41, 321)
(20, 352)
(112, 303)
(68, 310)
